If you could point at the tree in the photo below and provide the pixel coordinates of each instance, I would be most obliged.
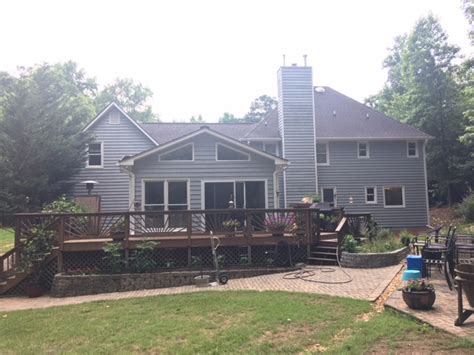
(260, 108)
(41, 143)
(196, 119)
(229, 118)
(422, 90)
(133, 98)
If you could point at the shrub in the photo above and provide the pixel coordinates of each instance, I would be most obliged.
(406, 237)
(350, 244)
(142, 258)
(63, 205)
(466, 208)
(114, 257)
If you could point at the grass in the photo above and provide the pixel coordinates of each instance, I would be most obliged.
(215, 322)
(7, 239)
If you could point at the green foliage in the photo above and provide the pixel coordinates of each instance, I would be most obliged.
(63, 204)
(131, 97)
(418, 285)
(229, 118)
(424, 88)
(114, 257)
(196, 119)
(260, 108)
(350, 244)
(37, 247)
(41, 144)
(406, 237)
(142, 258)
(466, 208)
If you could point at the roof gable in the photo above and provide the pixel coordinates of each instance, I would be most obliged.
(117, 107)
(129, 161)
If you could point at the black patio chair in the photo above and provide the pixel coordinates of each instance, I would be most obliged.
(418, 242)
(435, 251)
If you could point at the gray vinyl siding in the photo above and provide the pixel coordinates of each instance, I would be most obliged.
(296, 122)
(388, 166)
(118, 141)
(204, 168)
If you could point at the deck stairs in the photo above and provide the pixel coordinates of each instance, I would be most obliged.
(325, 252)
(10, 274)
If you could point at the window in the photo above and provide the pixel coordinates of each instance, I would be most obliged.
(179, 154)
(226, 153)
(258, 145)
(166, 196)
(394, 196)
(114, 117)
(94, 159)
(329, 195)
(322, 154)
(371, 195)
(412, 150)
(363, 150)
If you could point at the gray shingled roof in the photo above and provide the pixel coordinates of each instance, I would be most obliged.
(351, 120)
(355, 120)
(164, 132)
(267, 128)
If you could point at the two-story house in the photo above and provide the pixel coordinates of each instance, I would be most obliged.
(319, 141)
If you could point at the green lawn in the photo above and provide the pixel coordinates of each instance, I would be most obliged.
(215, 322)
(6, 240)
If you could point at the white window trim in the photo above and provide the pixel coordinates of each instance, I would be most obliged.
(101, 166)
(165, 192)
(334, 189)
(235, 150)
(327, 154)
(374, 202)
(416, 150)
(234, 181)
(403, 197)
(367, 150)
(110, 118)
(178, 161)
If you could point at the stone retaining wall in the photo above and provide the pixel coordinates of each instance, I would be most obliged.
(373, 260)
(78, 285)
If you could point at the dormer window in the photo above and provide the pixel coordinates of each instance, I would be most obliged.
(185, 153)
(114, 117)
(412, 150)
(226, 153)
(363, 150)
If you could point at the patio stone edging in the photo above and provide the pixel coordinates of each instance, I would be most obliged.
(373, 260)
(80, 285)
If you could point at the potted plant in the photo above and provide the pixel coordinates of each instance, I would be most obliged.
(230, 226)
(328, 222)
(418, 294)
(117, 231)
(278, 223)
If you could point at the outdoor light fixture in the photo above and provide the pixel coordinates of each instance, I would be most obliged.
(89, 185)
(351, 200)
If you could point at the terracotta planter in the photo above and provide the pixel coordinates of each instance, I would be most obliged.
(419, 299)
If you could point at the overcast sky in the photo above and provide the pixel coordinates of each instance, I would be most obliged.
(209, 57)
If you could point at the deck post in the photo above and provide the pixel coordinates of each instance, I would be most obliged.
(61, 244)
(17, 239)
(127, 238)
(308, 231)
(189, 230)
(248, 224)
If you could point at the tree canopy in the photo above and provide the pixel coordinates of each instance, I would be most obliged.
(133, 98)
(41, 144)
(259, 109)
(424, 90)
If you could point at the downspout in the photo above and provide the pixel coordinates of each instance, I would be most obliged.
(426, 182)
(276, 184)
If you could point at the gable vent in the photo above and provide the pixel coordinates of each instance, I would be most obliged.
(114, 117)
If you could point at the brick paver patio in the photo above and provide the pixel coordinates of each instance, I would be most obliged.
(367, 284)
(444, 311)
